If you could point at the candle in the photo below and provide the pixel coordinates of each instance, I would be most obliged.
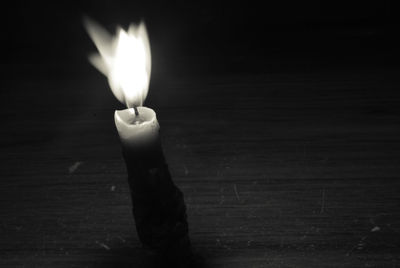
(137, 130)
(158, 205)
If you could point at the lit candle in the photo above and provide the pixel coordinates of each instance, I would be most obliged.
(158, 206)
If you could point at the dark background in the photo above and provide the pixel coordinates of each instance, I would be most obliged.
(227, 37)
(280, 123)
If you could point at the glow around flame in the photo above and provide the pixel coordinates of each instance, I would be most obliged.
(125, 59)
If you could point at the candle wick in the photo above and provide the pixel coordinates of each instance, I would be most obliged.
(136, 111)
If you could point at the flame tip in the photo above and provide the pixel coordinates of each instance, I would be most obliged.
(124, 58)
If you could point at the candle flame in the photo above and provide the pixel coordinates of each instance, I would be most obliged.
(125, 59)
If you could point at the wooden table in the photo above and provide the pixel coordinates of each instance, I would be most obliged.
(284, 169)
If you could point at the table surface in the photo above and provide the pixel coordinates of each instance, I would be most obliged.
(278, 169)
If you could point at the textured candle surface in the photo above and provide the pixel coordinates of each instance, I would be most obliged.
(137, 130)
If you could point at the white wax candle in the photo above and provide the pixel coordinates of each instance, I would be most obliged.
(137, 130)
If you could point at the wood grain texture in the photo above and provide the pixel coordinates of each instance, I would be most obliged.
(293, 169)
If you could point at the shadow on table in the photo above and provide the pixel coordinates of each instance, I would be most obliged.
(145, 258)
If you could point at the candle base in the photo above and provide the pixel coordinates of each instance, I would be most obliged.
(158, 205)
